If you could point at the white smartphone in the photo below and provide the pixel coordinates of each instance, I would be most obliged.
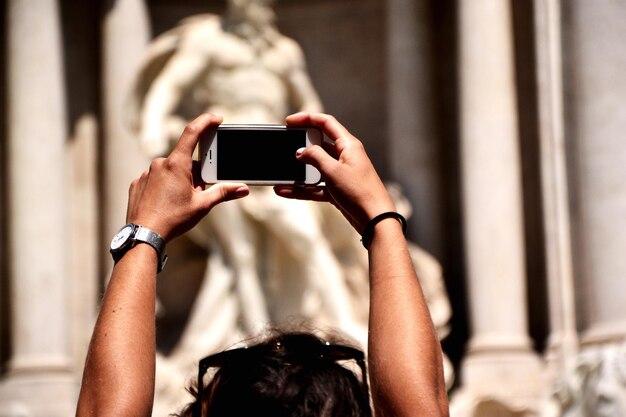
(258, 155)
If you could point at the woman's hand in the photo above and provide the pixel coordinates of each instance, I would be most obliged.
(170, 198)
(351, 182)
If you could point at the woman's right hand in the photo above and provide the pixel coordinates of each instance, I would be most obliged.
(351, 182)
(170, 198)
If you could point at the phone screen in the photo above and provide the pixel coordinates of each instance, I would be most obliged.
(260, 155)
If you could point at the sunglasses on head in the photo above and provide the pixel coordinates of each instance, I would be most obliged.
(295, 347)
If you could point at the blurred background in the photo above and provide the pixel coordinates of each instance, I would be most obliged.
(501, 123)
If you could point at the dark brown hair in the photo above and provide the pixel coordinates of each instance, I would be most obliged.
(281, 382)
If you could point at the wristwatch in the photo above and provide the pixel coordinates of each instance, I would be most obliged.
(130, 235)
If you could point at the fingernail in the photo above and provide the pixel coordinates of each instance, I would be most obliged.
(299, 151)
(242, 191)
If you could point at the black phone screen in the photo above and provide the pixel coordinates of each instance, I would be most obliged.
(260, 155)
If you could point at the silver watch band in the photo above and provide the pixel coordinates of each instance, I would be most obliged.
(143, 234)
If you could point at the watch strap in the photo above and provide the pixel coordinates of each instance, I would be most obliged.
(145, 235)
(142, 235)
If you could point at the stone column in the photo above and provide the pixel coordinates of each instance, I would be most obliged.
(499, 362)
(125, 36)
(562, 343)
(40, 380)
(598, 124)
(412, 141)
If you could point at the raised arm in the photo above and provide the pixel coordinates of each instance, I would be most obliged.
(302, 94)
(168, 199)
(157, 116)
(404, 357)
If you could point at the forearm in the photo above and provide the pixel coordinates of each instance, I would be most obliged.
(119, 371)
(404, 352)
(304, 96)
(177, 76)
(161, 101)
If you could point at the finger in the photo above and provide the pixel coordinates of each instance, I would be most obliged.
(316, 193)
(137, 186)
(191, 135)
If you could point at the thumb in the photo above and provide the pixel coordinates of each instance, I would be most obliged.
(316, 155)
(220, 192)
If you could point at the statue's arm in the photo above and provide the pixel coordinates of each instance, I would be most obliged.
(303, 96)
(165, 94)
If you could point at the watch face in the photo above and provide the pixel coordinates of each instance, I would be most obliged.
(121, 237)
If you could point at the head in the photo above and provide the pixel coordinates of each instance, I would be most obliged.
(259, 13)
(290, 374)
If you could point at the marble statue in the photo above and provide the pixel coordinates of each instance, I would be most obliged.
(270, 259)
(241, 67)
(595, 387)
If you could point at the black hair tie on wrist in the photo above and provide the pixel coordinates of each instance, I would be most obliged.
(366, 236)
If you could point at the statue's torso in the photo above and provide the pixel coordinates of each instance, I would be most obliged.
(244, 82)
